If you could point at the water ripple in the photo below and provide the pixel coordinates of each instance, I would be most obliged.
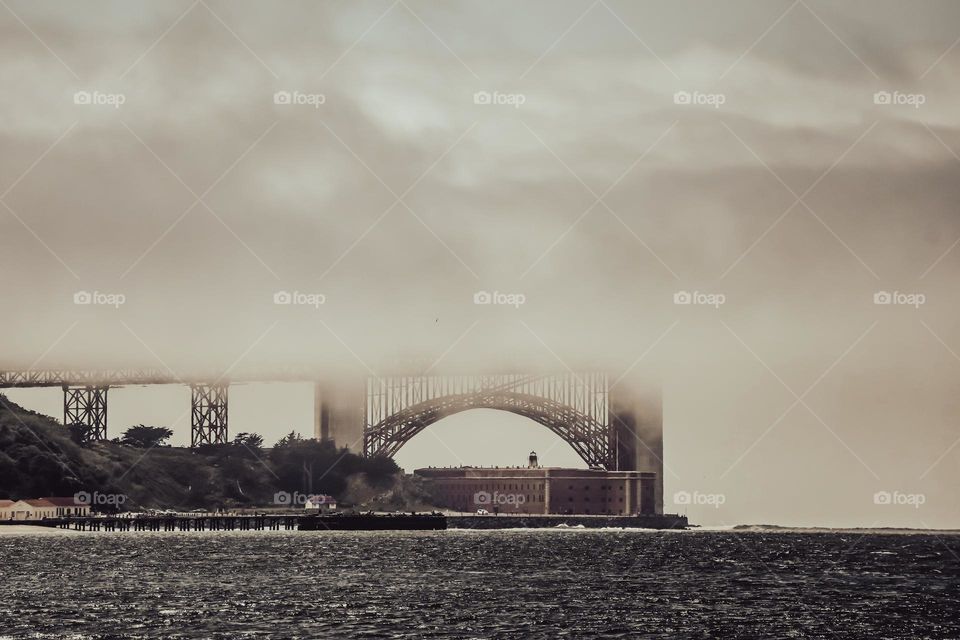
(470, 584)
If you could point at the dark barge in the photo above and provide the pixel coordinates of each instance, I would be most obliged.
(371, 522)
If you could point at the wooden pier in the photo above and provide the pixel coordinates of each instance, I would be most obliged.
(177, 523)
(258, 522)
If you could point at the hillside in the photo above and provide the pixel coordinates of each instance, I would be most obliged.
(38, 458)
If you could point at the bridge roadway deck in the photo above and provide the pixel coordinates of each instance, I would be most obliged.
(122, 377)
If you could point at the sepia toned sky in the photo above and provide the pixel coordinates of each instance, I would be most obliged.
(786, 163)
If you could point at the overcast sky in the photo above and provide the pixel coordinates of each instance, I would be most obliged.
(787, 161)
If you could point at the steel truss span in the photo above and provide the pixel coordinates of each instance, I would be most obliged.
(78, 377)
(573, 406)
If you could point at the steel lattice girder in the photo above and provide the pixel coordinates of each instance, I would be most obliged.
(86, 406)
(590, 438)
(208, 421)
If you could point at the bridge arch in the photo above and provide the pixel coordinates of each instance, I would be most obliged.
(572, 407)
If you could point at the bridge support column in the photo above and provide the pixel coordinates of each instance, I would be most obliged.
(338, 412)
(86, 406)
(208, 421)
(636, 420)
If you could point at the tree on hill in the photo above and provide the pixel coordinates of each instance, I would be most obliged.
(39, 458)
(380, 471)
(312, 466)
(252, 441)
(145, 437)
(247, 445)
(79, 433)
(289, 439)
(307, 466)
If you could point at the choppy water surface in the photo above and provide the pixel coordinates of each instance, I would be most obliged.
(480, 584)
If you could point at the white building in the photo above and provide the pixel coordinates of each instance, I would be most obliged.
(68, 506)
(321, 503)
(39, 508)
